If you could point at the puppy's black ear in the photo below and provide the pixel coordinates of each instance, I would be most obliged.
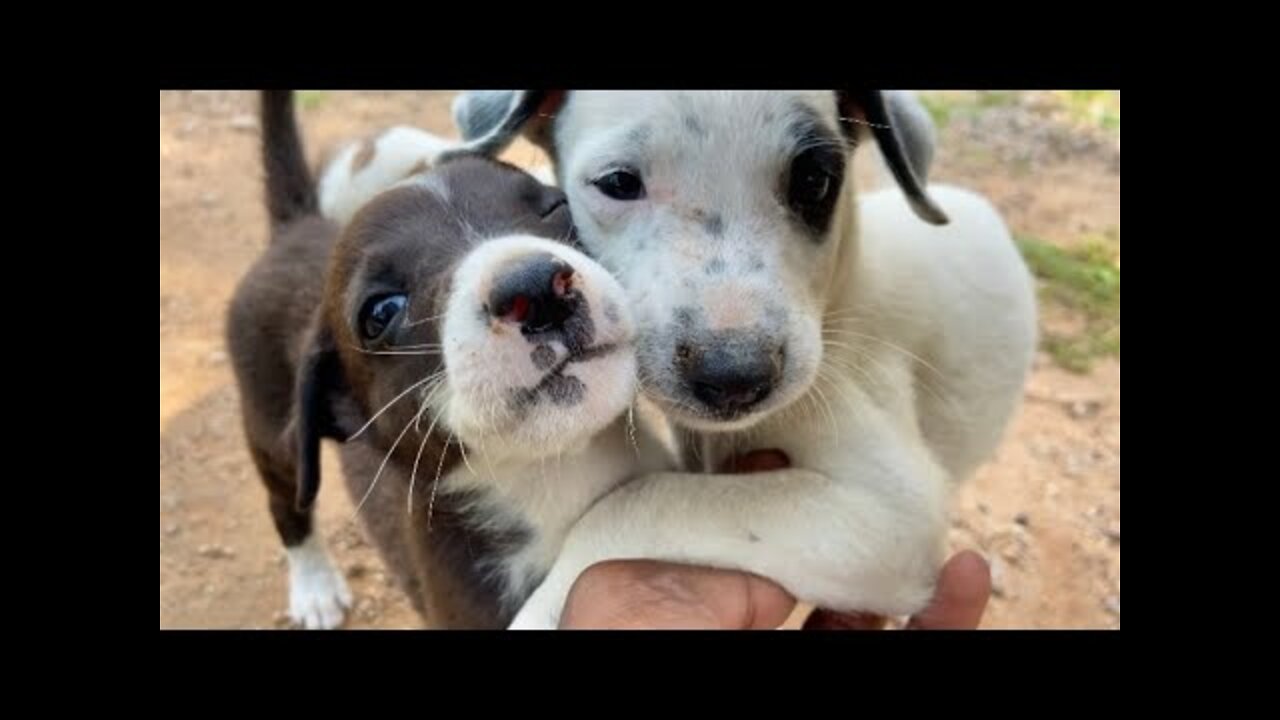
(319, 380)
(490, 120)
(905, 133)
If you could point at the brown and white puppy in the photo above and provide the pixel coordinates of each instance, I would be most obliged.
(467, 354)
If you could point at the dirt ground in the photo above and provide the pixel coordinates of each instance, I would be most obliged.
(1046, 511)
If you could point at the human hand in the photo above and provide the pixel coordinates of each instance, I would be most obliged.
(634, 594)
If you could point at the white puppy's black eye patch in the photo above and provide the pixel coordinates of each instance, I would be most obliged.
(813, 178)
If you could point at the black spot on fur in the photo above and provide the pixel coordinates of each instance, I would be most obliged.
(565, 389)
(714, 267)
(543, 357)
(713, 223)
(684, 316)
(819, 152)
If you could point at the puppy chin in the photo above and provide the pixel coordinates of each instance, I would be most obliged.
(542, 427)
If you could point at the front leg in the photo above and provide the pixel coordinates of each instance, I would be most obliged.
(873, 545)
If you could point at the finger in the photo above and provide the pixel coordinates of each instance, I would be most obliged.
(634, 594)
(964, 586)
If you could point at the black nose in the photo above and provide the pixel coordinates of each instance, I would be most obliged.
(536, 293)
(730, 377)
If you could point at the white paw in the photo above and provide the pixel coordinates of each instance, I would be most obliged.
(318, 594)
(533, 621)
(541, 611)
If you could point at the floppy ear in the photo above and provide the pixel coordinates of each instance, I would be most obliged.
(905, 133)
(319, 382)
(915, 129)
(490, 120)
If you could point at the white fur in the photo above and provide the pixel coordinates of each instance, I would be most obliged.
(344, 190)
(486, 358)
(911, 396)
(318, 594)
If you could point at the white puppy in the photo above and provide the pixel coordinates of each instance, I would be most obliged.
(883, 348)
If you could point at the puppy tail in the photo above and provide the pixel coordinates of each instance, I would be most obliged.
(291, 193)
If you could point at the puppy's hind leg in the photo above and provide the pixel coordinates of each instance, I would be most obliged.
(318, 594)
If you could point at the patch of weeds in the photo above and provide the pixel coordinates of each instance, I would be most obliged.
(940, 108)
(1086, 279)
(996, 98)
(1096, 108)
(311, 99)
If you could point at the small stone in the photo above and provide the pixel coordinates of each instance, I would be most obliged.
(998, 573)
(244, 123)
(982, 508)
(1022, 519)
(208, 199)
(1112, 604)
(367, 609)
(1112, 532)
(172, 529)
(1075, 464)
(1041, 447)
(1083, 409)
(217, 357)
(209, 589)
(281, 619)
(216, 552)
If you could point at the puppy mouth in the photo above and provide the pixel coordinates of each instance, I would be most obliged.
(560, 388)
(583, 355)
(700, 417)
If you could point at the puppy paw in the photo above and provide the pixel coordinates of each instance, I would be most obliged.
(319, 602)
(318, 594)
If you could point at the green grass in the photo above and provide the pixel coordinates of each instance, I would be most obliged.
(1092, 108)
(1099, 108)
(943, 106)
(1086, 279)
(996, 98)
(940, 108)
(311, 99)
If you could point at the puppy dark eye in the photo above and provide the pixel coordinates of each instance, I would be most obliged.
(810, 181)
(621, 185)
(378, 313)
